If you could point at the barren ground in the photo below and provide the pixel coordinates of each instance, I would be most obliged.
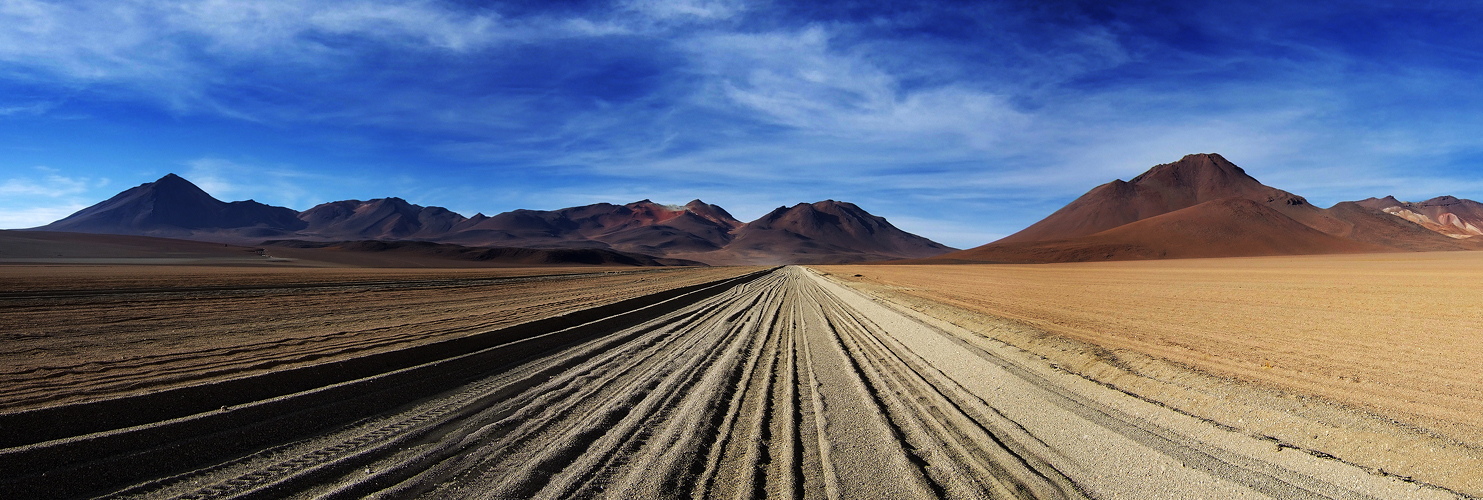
(780, 383)
(1373, 359)
(75, 333)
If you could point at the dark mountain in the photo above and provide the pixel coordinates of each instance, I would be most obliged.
(437, 253)
(1190, 208)
(826, 231)
(383, 218)
(643, 227)
(822, 232)
(174, 207)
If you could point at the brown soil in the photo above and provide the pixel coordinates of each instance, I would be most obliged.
(780, 383)
(1370, 358)
(76, 333)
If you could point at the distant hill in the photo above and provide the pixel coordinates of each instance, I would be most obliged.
(822, 232)
(1448, 215)
(643, 227)
(383, 218)
(1201, 206)
(426, 250)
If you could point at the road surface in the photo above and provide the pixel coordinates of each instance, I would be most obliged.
(784, 384)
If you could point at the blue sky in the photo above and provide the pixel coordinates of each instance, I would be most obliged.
(962, 122)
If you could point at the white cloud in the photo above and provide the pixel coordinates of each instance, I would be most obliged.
(48, 186)
(182, 53)
(37, 200)
(35, 216)
(800, 80)
(229, 180)
(687, 9)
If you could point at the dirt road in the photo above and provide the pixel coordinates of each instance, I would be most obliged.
(779, 385)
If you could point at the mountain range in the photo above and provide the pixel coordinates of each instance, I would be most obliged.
(823, 232)
(1205, 206)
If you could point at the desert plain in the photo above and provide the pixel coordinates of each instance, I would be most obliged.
(1288, 377)
(1371, 358)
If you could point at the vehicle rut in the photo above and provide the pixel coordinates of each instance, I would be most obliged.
(783, 384)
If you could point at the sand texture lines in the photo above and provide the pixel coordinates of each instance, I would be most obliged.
(782, 384)
(77, 334)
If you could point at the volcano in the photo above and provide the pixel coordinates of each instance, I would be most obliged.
(175, 208)
(1202, 206)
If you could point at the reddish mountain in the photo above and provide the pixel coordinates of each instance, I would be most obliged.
(643, 227)
(1228, 227)
(1448, 215)
(826, 231)
(822, 232)
(1190, 208)
(425, 253)
(384, 218)
(173, 207)
(1192, 180)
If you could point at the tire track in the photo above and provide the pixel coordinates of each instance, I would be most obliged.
(782, 385)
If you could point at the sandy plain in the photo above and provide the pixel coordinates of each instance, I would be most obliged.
(77, 333)
(779, 383)
(1373, 359)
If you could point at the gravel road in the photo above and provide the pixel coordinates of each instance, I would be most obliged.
(783, 384)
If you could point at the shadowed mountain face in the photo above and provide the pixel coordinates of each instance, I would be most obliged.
(1202, 206)
(385, 218)
(827, 231)
(642, 227)
(174, 207)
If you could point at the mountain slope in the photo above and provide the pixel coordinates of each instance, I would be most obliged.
(826, 231)
(172, 206)
(822, 232)
(1136, 219)
(383, 218)
(1455, 217)
(1192, 180)
(643, 227)
(1228, 227)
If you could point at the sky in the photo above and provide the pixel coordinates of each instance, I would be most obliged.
(960, 121)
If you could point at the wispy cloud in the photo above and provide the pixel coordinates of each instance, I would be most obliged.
(36, 216)
(272, 184)
(980, 116)
(44, 197)
(51, 185)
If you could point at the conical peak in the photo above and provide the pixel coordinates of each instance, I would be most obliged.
(172, 181)
(1195, 167)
